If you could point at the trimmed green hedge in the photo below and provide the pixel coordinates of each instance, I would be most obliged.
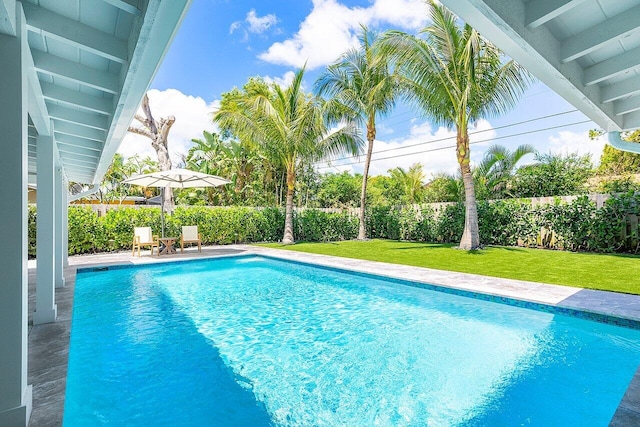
(576, 226)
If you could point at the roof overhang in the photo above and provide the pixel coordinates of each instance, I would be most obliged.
(587, 51)
(91, 63)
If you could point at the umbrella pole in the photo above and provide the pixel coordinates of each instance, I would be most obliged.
(162, 211)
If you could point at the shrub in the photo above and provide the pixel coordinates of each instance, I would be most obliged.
(575, 226)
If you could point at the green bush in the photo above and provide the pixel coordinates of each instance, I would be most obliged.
(86, 231)
(31, 231)
(312, 225)
(576, 226)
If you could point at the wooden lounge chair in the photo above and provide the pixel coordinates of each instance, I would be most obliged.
(190, 235)
(142, 237)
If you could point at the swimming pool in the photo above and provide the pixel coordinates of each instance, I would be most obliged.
(256, 341)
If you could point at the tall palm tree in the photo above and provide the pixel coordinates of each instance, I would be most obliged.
(289, 126)
(498, 166)
(361, 81)
(456, 77)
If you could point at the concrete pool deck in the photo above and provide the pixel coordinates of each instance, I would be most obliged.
(49, 343)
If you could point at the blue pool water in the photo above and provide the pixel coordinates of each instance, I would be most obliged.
(251, 341)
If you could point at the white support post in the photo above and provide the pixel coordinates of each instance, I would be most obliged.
(65, 224)
(46, 310)
(59, 226)
(15, 394)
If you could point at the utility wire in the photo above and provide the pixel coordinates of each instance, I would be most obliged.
(453, 146)
(470, 133)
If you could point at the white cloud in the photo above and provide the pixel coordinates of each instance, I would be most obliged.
(254, 24)
(567, 142)
(332, 28)
(284, 81)
(193, 115)
(234, 26)
(434, 149)
(260, 24)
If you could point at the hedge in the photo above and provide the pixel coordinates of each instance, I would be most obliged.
(575, 226)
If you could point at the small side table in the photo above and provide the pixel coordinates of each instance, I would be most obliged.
(168, 245)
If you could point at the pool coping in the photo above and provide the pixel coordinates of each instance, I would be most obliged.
(609, 304)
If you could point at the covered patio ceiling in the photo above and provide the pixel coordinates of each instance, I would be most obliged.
(91, 62)
(587, 51)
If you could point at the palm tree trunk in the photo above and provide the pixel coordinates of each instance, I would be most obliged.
(470, 237)
(287, 239)
(371, 136)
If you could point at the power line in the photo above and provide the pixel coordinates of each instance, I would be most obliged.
(470, 133)
(453, 146)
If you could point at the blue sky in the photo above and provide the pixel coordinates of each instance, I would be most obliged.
(221, 43)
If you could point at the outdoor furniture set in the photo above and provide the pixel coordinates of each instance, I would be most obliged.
(143, 237)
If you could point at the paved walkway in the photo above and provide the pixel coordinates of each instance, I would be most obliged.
(49, 344)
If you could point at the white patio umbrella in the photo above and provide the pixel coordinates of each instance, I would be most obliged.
(175, 178)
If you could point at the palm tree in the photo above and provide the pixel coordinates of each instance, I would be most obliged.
(412, 182)
(289, 126)
(498, 165)
(361, 81)
(456, 77)
(204, 156)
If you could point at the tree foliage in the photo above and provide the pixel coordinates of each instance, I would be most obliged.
(364, 89)
(455, 77)
(553, 175)
(290, 127)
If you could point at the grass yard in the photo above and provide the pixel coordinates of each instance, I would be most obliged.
(619, 273)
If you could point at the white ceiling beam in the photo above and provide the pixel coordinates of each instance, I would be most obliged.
(632, 120)
(79, 142)
(96, 121)
(96, 104)
(8, 17)
(129, 6)
(70, 148)
(79, 165)
(160, 25)
(627, 105)
(84, 37)
(80, 131)
(621, 89)
(612, 67)
(35, 102)
(78, 160)
(70, 70)
(539, 12)
(69, 155)
(80, 176)
(503, 22)
(32, 132)
(610, 31)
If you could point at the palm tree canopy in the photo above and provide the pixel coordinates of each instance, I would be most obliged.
(360, 81)
(453, 74)
(288, 123)
(498, 166)
(499, 160)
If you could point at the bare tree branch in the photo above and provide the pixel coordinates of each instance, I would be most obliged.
(150, 122)
(139, 118)
(140, 131)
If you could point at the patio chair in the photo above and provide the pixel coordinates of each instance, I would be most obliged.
(190, 235)
(142, 236)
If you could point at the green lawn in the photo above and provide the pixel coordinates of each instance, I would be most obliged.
(619, 273)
